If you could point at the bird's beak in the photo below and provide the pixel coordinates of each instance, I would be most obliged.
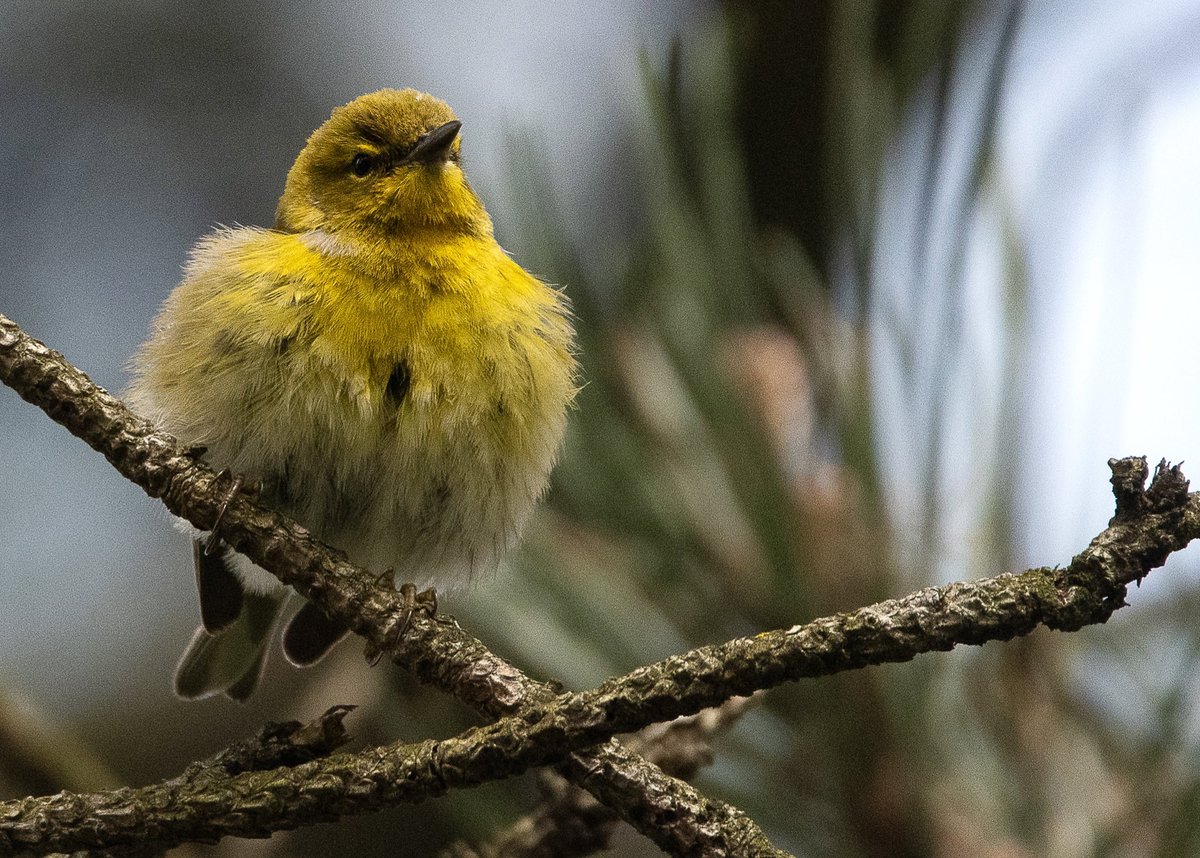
(434, 146)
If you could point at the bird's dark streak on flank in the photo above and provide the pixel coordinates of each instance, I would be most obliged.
(399, 382)
(277, 484)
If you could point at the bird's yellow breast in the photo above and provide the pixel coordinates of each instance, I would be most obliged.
(406, 406)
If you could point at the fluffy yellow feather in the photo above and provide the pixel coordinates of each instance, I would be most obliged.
(377, 362)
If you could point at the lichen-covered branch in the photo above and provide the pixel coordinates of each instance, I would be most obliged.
(436, 650)
(570, 822)
(209, 802)
(1140, 537)
(1086, 591)
(275, 745)
(1149, 525)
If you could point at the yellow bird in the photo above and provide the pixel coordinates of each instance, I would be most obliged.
(376, 363)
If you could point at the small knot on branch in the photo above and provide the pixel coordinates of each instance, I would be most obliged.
(1129, 487)
(1169, 488)
(279, 744)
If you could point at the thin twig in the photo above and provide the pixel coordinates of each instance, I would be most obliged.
(275, 745)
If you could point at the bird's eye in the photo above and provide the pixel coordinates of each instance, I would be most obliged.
(361, 165)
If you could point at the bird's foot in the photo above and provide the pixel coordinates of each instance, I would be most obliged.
(239, 485)
(410, 601)
(388, 574)
(426, 601)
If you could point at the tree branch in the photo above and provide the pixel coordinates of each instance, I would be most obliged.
(937, 618)
(570, 822)
(1149, 526)
(207, 803)
(255, 803)
(436, 650)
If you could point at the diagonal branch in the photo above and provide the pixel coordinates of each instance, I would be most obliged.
(437, 651)
(570, 822)
(1148, 526)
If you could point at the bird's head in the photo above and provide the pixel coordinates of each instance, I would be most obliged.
(386, 162)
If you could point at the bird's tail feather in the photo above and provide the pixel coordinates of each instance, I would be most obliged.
(232, 660)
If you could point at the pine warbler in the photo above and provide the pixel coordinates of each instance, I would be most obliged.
(375, 363)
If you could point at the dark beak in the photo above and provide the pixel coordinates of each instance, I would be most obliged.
(434, 146)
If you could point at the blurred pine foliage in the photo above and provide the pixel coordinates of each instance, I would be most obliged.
(723, 473)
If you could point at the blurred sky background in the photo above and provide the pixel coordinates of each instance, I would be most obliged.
(1097, 183)
(131, 128)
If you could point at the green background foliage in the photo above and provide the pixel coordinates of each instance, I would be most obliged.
(723, 474)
